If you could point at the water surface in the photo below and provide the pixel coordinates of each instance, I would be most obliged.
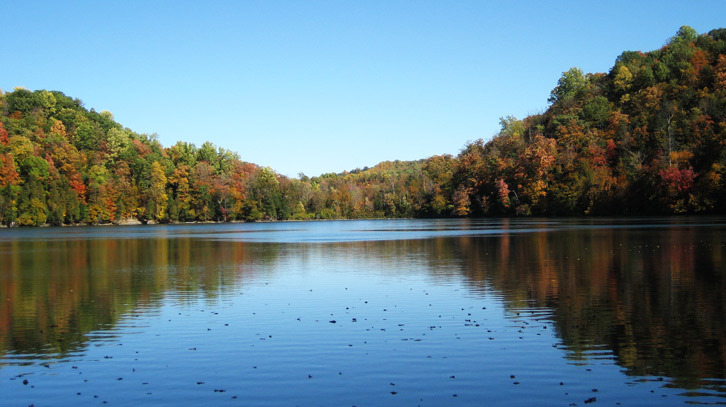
(369, 313)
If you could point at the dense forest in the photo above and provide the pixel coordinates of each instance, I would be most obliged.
(648, 137)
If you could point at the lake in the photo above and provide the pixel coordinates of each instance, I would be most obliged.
(526, 312)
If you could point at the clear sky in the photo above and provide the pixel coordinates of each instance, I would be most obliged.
(325, 86)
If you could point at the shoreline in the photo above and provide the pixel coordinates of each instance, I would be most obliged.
(135, 222)
(205, 222)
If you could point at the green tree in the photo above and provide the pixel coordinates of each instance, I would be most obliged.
(32, 207)
(571, 83)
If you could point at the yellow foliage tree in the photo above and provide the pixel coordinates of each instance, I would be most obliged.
(157, 193)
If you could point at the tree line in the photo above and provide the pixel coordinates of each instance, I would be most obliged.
(647, 137)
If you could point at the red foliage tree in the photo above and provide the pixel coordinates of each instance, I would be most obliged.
(680, 180)
(3, 135)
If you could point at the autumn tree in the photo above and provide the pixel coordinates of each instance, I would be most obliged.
(156, 194)
(10, 185)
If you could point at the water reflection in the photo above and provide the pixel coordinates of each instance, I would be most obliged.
(656, 300)
(651, 299)
(55, 292)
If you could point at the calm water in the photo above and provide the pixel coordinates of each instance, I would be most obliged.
(625, 312)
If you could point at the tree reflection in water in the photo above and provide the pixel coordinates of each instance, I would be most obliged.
(655, 298)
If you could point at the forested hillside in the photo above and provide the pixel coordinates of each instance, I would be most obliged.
(645, 138)
(648, 137)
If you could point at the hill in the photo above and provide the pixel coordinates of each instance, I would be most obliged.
(647, 137)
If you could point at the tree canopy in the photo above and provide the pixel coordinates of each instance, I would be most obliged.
(647, 137)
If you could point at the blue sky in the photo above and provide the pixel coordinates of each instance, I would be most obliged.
(325, 86)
